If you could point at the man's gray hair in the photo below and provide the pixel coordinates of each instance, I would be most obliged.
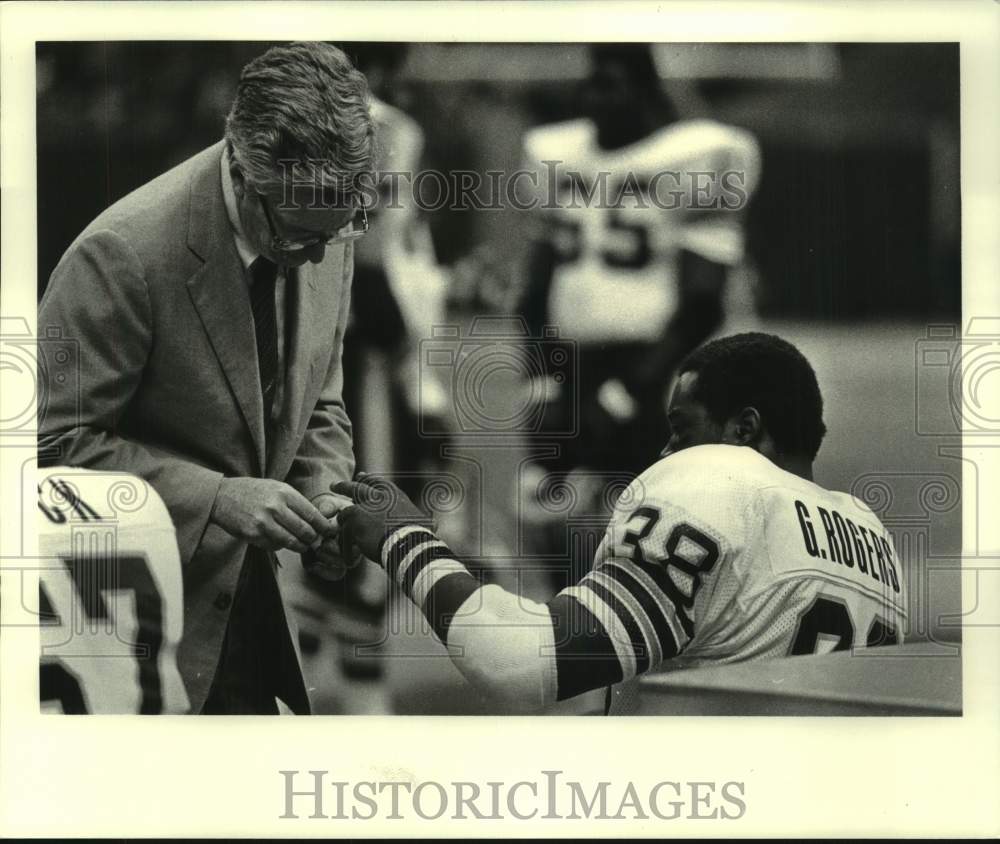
(302, 102)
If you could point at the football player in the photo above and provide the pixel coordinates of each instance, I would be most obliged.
(110, 597)
(640, 222)
(725, 550)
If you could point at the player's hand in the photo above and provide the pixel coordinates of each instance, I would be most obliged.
(379, 506)
(268, 514)
(330, 560)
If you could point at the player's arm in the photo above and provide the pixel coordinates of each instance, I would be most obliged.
(700, 312)
(617, 622)
(551, 238)
(539, 268)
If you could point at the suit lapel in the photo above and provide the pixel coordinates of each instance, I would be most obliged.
(219, 293)
(312, 321)
(302, 288)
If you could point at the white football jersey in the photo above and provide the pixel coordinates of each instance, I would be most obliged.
(755, 562)
(618, 232)
(110, 596)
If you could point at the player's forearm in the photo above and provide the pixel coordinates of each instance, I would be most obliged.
(538, 272)
(526, 654)
(699, 314)
(451, 599)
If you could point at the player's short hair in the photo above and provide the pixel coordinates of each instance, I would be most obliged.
(640, 68)
(635, 59)
(767, 373)
(302, 102)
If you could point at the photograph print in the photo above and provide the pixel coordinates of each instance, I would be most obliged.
(487, 379)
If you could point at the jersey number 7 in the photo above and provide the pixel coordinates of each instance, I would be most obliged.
(94, 578)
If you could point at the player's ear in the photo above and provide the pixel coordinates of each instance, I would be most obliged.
(749, 429)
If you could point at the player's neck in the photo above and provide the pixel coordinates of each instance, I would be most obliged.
(634, 124)
(617, 134)
(797, 466)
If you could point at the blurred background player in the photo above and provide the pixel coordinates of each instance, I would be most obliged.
(399, 290)
(397, 295)
(111, 605)
(630, 260)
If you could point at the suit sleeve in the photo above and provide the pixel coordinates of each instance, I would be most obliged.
(98, 301)
(326, 454)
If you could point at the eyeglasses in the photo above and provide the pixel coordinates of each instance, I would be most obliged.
(354, 228)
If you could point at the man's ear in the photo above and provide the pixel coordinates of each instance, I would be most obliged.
(749, 428)
(236, 174)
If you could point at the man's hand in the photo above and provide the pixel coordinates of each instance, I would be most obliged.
(268, 514)
(379, 506)
(330, 560)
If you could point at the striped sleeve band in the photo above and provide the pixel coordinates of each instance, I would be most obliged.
(614, 624)
(425, 569)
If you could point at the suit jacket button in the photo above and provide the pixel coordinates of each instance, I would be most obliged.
(223, 600)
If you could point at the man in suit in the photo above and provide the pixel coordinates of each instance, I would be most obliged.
(209, 307)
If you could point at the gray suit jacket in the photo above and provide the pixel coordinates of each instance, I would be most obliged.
(153, 292)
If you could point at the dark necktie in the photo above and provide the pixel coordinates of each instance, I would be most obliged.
(265, 325)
